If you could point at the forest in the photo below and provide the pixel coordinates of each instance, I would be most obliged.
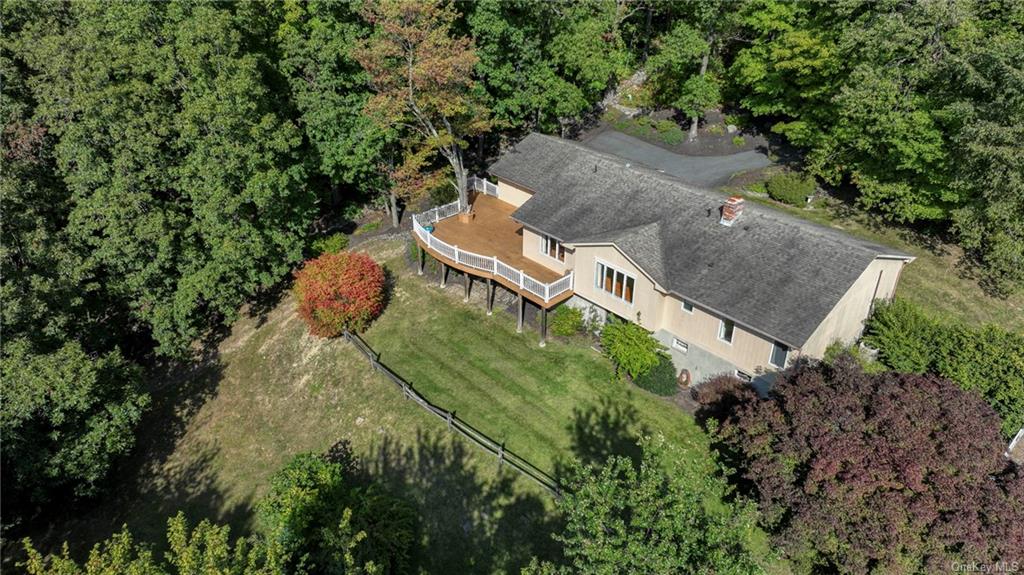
(167, 162)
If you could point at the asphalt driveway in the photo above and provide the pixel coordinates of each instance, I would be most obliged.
(701, 171)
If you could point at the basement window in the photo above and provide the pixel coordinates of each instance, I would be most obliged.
(744, 376)
(680, 344)
(725, 330)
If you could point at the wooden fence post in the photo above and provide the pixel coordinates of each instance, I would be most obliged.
(501, 454)
(450, 420)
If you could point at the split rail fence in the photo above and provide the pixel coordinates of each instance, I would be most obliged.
(504, 456)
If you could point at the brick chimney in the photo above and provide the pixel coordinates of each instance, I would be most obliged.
(731, 210)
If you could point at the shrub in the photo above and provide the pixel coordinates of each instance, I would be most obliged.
(314, 494)
(790, 188)
(631, 347)
(838, 349)
(567, 321)
(885, 473)
(716, 129)
(338, 292)
(985, 359)
(331, 244)
(719, 395)
(661, 379)
(739, 141)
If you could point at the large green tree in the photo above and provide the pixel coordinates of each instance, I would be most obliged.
(916, 104)
(330, 89)
(679, 67)
(526, 89)
(651, 518)
(65, 418)
(186, 186)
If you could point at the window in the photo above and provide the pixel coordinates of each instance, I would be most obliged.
(614, 282)
(553, 248)
(725, 329)
(687, 306)
(779, 356)
(744, 376)
(680, 345)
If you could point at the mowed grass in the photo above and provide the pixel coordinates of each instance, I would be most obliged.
(546, 403)
(220, 428)
(936, 280)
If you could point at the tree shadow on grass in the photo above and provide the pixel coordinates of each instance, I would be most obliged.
(149, 486)
(603, 429)
(473, 522)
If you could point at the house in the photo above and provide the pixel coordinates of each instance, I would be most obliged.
(727, 285)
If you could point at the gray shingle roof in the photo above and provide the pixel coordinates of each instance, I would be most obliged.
(771, 272)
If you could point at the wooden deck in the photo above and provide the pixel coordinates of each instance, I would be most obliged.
(492, 232)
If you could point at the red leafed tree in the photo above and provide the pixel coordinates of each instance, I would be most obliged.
(887, 473)
(338, 292)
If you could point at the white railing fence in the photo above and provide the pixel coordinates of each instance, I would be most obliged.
(480, 262)
(482, 185)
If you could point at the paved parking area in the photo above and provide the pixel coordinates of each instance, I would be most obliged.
(700, 171)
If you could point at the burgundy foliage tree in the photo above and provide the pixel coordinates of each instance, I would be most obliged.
(887, 473)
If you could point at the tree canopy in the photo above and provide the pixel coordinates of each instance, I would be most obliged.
(867, 473)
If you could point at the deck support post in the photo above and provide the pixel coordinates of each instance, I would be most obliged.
(522, 309)
(543, 326)
(444, 274)
(421, 260)
(469, 283)
(490, 296)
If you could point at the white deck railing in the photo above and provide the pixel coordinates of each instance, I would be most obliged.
(489, 264)
(482, 185)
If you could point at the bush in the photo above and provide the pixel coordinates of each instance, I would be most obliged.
(985, 359)
(338, 292)
(739, 141)
(631, 347)
(331, 244)
(885, 473)
(661, 379)
(719, 395)
(314, 494)
(566, 321)
(790, 188)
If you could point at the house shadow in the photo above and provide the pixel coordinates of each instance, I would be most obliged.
(474, 521)
(601, 430)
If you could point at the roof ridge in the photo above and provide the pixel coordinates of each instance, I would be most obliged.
(760, 209)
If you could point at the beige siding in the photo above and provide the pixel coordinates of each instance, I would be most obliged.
(511, 194)
(846, 320)
(748, 351)
(531, 249)
(646, 299)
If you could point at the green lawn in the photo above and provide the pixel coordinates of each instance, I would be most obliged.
(935, 280)
(222, 426)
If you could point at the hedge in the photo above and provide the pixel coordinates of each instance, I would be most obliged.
(987, 359)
